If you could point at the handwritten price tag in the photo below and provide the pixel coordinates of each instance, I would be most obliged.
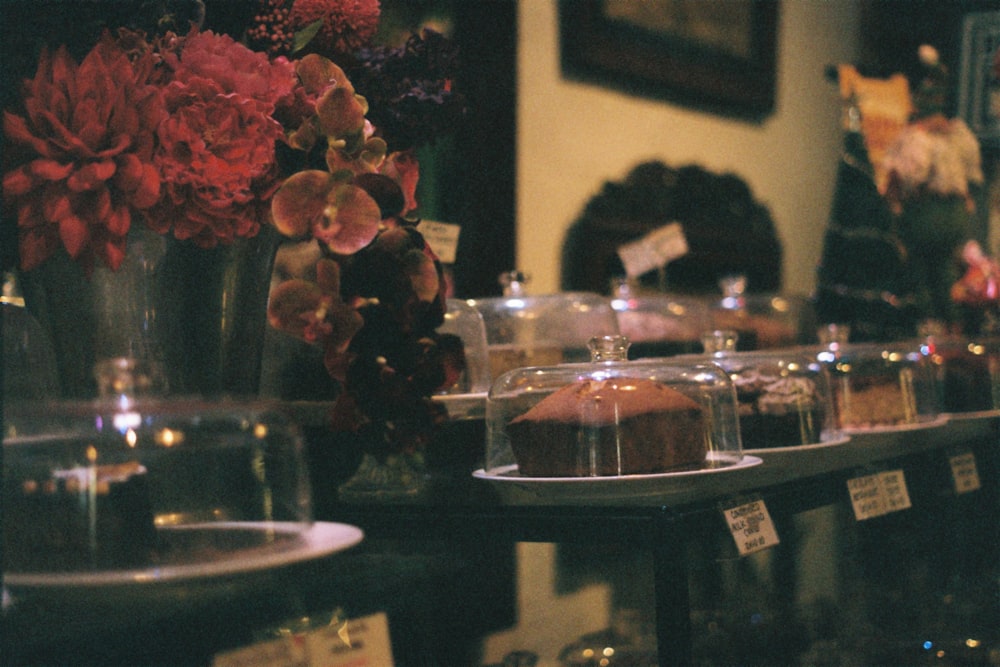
(964, 472)
(878, 494)
(894, 490)
(442, 237)
(281, 652)
(655, 249)
(362, 642)
(751, 526)
(866, 497)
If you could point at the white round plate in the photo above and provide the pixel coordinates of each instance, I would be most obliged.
(318, 540)
(462, 406)
(979, 414)
(833, 442)
(623, 488)
(937, 422)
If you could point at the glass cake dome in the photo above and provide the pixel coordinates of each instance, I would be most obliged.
(966, 372)
(137, 483)
(764, 321)
(544, 330)
(658, 324)
(880, 385)
(464, 321)
(783, 396)
(611, 417)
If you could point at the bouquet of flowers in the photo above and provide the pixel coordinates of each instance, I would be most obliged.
(196, 135)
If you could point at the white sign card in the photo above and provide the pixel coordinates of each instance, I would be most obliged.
(897, 496)
(878, 494)
(442, 237)
(655, 249)
(866, 497)
(964, 472)
(362, 642)
(365, 643)
(751, 526)
(281, 652)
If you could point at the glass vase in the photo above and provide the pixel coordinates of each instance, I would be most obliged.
(200, 313)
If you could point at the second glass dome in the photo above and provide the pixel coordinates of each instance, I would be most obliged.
(543, 330)
(784, 396)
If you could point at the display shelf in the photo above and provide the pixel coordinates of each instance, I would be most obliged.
(444, 569)
(790, 485)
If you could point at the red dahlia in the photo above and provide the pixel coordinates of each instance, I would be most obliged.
(87, 131)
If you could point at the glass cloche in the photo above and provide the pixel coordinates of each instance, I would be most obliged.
(128, 482)
(658, 324)
(467, 397)
(764, 321)
(544, 330)
(880, 385)
(966, 372)
(783, 396)
(611, 417)
(464, 321)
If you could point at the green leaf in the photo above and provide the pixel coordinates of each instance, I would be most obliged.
(304, 36)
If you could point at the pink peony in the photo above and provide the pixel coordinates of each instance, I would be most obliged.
(217, 148)
(217, 162)
(235, 69)
(88, 131)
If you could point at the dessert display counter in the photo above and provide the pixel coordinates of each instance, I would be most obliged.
(930, 528)
(880, 547)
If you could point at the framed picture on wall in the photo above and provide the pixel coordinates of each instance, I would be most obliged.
(979, 76)
(719, 55)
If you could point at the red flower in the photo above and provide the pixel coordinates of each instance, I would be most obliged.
(315, 312)
(404, 168)
(89, 128)
(217, 148)
(348, 25)
(235, 69)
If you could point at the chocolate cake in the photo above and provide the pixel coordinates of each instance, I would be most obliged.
(777, 411)
(88, 517)
(618, 426)
(966, 380)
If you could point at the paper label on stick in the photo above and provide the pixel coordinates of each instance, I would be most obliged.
(655, 249)
(878, 493)
(964, 472)
(442, 237)
(361, 642)
(751, 526)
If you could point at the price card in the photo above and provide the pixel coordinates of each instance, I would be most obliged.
(362, 642)
(655, 249)
(442, 237)
(866, 497)
(878, 493)
(894, 490)
(282, 652)
(964, 472)
(751, 526)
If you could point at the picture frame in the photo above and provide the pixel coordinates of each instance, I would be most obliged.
(979, 84)
(715, 55)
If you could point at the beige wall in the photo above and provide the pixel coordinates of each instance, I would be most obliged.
(572, 137)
